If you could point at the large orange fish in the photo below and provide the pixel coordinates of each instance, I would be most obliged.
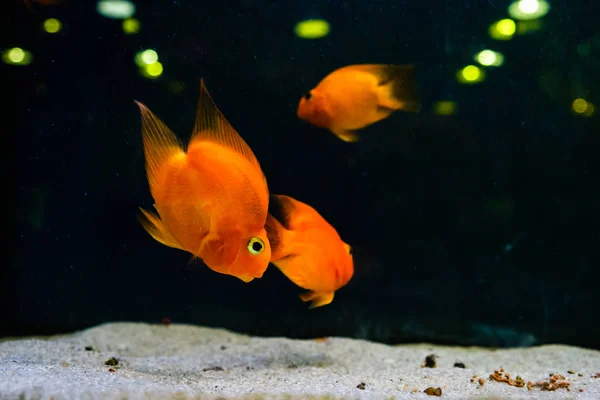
(307, 249)
(212, 200)
(352, 97)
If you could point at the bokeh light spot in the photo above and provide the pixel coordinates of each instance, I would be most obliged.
(115, 9)
(155, 69)
(146, 57)
(131, 26)
(529, 6)
(506, 27)
(470, 74)
(445, 107)
(528, 9)
(52, 25)
(503, 29)
(17, 56)
(149, 57)
(489, 58)
(312, 29)
(579, 105)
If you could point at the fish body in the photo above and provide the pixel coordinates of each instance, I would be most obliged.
(353, 97)
(211, 199)
(308, 250)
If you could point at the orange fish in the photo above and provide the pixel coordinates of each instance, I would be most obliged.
(212, 200)
(307, 249)
(355, 96)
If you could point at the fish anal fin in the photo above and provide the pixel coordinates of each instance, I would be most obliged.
(397, 88)
(317, 299)
(212, 126)
(160, 144)
(347, 136)
(154, 226)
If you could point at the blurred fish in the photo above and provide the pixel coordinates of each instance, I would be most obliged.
(355, 96)
(212, 200)
(29, 3)
(307, 249)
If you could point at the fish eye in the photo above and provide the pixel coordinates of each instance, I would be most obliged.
(256, 246)
(308, 95)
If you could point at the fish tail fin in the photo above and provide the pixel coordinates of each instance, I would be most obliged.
(154, 226)
(398, 91)
(317, 299)
(347, 136)
(160, 144)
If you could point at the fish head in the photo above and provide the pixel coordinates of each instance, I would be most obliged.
(313, 108)
(253, 256)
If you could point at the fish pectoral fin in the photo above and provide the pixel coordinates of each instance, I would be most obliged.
(212, 126)
(317, 299)
(218, 253)
(397, 89)
(347, 136)
(154, 226)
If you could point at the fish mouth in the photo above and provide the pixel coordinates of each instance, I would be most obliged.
(299, 111)
(248, 277)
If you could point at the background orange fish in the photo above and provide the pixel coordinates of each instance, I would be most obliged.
(212, 200)
(355, 96)
(307, 249)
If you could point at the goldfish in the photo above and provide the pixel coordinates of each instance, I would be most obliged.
(212, 199)
(353, 97)
(307, 249)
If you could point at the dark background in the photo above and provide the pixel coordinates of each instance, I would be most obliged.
(478, 228)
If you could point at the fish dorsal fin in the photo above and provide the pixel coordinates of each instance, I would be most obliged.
(283, 239)
(160, 143)
(275, 235)
(212, 126)
(386, 72)
(295, 215)
(281, 208)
